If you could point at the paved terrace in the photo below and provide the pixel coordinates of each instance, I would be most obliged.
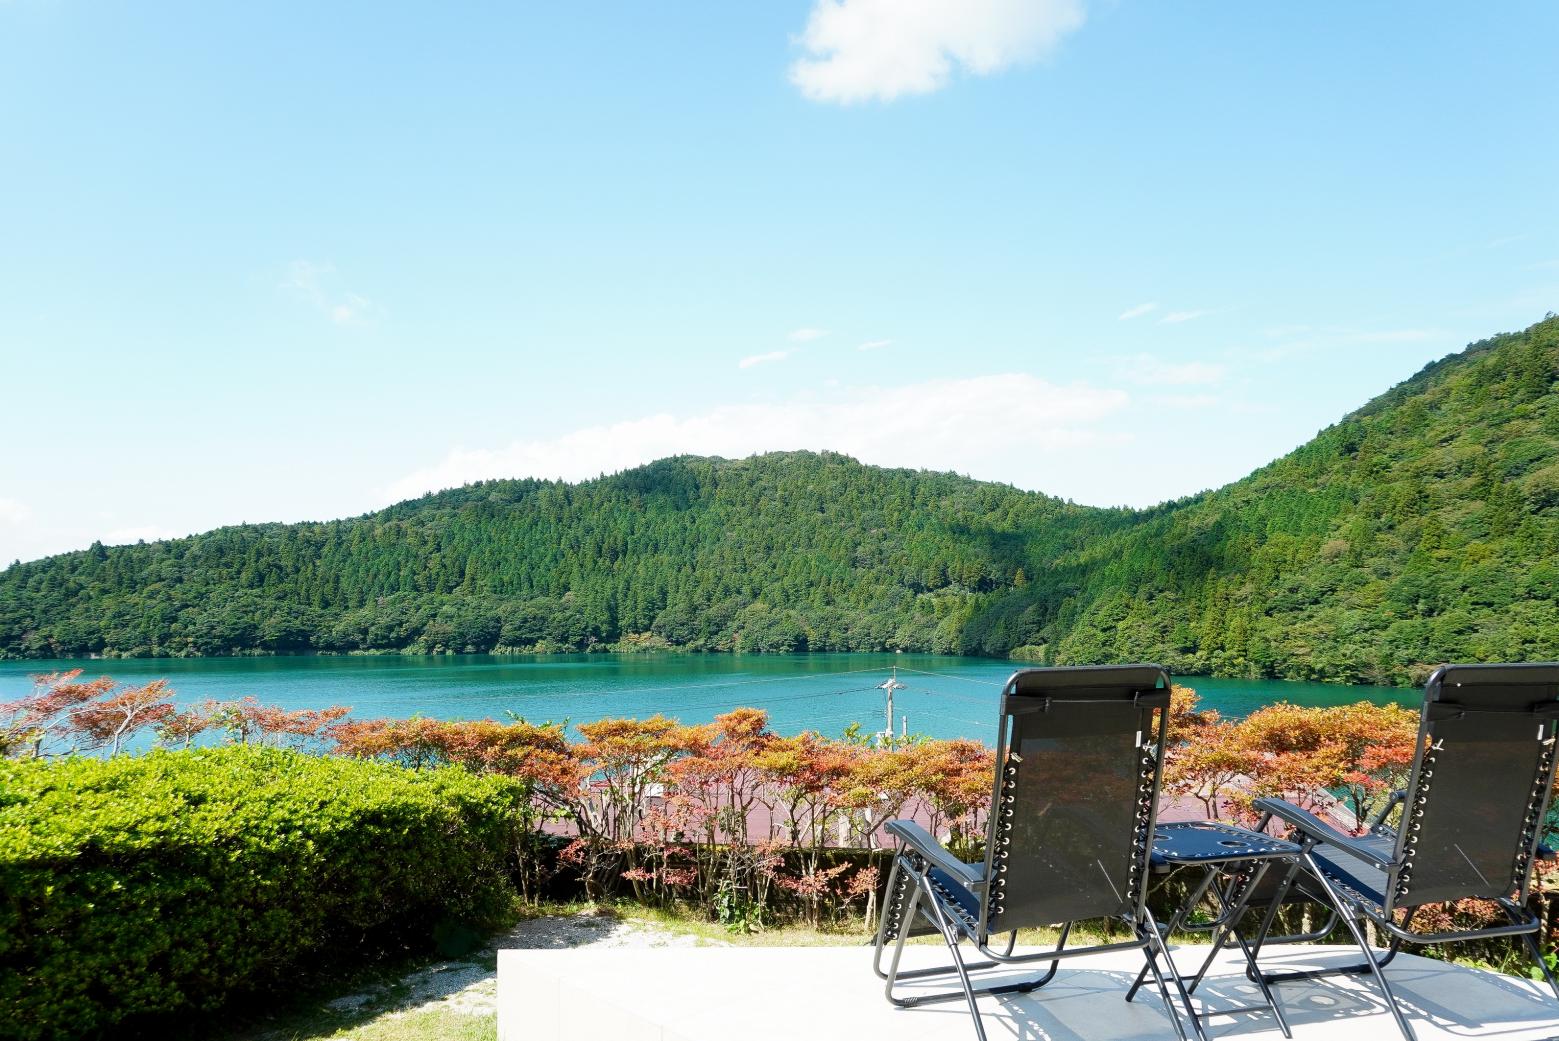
(831, 994)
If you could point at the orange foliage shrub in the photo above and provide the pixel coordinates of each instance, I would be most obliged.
(728, 813)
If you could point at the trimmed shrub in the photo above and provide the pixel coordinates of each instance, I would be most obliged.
(177, 881)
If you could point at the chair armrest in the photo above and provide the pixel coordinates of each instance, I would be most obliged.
(1315, 828)
(1393, 800)
(924, 843)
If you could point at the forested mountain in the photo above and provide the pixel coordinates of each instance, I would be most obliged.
(779, 552)
(1422, 528)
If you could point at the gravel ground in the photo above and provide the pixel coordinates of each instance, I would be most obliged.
(470, 985)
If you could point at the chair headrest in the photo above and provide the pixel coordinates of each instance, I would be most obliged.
(1089, 682)
(1460, 689)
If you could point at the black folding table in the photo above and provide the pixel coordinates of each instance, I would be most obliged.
(1233, 861)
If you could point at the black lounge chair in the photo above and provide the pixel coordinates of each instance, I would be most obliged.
(1072, 817)
(1471, 825)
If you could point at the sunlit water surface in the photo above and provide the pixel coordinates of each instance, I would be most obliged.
(942, 697)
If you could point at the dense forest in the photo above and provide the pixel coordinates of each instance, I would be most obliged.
(780, 552)
(1424, 527)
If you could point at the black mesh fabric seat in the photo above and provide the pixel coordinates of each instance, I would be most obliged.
(1364, 881)
(1471, 824)
(957, 892)
(1073, 805)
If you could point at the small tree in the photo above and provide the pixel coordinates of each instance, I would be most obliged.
(1377, 744)
(810, 775)
(880, 784)
(539, 756)
(179, 729)
(413, 743)
(956, 782)
(40, 721)
(107, 722)
(621, 762)
(1205, 756)
(1305, 755)
(719, 784)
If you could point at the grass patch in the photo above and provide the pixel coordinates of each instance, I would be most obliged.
(430, 1025)
(843, 934)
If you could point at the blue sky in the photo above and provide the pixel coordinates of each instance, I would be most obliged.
(294, 261)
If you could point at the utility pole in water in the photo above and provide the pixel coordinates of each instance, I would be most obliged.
(892, 685)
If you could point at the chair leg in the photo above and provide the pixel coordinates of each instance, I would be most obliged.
(950, 937)
(924, 902)
(1066, 930)
(1261, 982)
(1533, 948)
(1148, 929)
(892, 975)
(1369, 953)
(950, 934)
(906, 920)
(895, 892)
(1537, 955)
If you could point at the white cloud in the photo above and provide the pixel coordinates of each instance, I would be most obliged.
(859, 50)
(808, 334)
(1135, 312)
(351, 310)
(1176, 317)
(874, 345)
(303, 279)
(318, 285)
(1014, 427)
(13, 512)
(144, 533)
(762, 359)
(1149, 371)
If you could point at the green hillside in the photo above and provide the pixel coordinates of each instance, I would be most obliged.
(1422, 528)
(780, 552)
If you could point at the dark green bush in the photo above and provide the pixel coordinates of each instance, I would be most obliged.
(177, 881)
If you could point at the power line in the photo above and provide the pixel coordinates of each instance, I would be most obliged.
(949, 676)
(950, 694)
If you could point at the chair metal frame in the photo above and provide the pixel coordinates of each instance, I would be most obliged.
(914, 892)
(1311, 880)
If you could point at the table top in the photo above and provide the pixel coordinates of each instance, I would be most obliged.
(1212, 842)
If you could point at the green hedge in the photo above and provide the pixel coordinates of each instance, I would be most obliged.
(177, 881)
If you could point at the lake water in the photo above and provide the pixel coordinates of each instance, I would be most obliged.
(943, 697)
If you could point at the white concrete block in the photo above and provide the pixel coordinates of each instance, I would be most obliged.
(830, 994)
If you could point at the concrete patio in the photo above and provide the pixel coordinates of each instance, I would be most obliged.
(830, 994)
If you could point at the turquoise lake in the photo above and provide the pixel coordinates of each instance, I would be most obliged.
(943, 697)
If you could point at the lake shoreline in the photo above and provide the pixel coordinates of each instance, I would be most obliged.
(631, 651)
(943, 696)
